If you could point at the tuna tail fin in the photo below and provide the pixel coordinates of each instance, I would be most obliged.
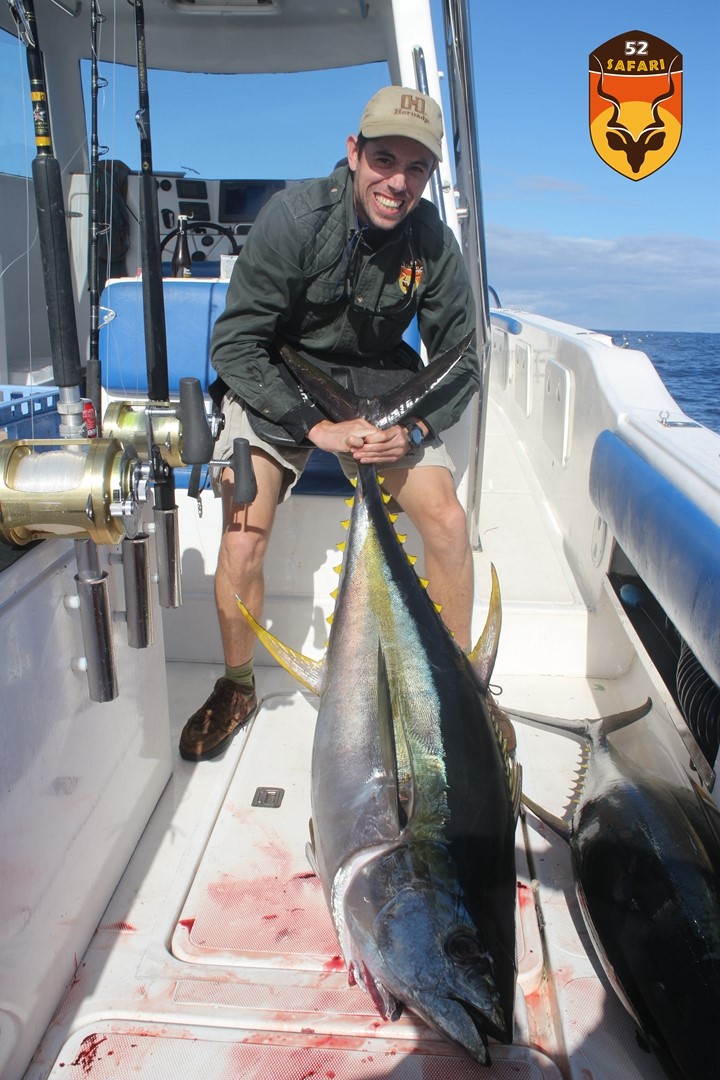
(401, 402)
(334, 399)
(306, 671)
(591, 734)
(342, 404)
(585, 730)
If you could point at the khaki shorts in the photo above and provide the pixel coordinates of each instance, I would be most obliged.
(294, 459)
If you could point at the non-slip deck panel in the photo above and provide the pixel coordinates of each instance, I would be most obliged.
(123, 1051)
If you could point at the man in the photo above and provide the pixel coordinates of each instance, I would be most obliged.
(338, 268)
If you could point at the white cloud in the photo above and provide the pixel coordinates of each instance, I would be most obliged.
(631, 282)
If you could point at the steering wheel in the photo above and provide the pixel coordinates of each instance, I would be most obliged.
(203, 230)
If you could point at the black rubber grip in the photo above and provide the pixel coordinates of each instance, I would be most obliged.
(245, 487)
(197, 440)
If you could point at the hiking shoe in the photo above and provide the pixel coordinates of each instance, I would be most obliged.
(211, 729)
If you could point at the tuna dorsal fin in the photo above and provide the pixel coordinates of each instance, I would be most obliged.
(401, 402)
(555, 823)
(482, 657)
(334, 399)
(306, 671)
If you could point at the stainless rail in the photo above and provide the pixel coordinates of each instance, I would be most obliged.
(422, 85)
(456, 14)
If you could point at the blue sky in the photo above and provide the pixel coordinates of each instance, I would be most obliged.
(566, 235)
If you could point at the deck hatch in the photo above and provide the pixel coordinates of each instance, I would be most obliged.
(268, 797)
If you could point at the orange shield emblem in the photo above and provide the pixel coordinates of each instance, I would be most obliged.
(635, 103)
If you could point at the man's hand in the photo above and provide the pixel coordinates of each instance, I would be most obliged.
(367, 444)
(344, 437)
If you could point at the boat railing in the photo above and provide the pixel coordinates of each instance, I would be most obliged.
(422, 85)
(467, 165)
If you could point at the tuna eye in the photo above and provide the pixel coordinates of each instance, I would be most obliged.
(463, 948)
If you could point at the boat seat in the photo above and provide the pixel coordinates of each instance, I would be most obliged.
(191, 308)
(673, 545)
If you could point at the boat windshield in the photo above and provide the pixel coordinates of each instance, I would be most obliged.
(289, 126)
(17, 140)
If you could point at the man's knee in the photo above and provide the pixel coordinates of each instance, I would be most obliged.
(242, 550)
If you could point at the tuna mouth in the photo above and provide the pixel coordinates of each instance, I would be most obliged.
(471, 1027)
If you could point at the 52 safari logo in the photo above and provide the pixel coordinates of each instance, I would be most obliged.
(635, 102)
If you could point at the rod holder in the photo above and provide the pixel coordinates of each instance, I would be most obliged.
(96, 623)
(168, 557)
(136, 577)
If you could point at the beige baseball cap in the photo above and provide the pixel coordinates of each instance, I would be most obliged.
(399, 110)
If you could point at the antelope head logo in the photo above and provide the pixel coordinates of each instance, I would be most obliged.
(652, 136)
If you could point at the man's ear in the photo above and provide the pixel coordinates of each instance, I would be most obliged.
(352, 152)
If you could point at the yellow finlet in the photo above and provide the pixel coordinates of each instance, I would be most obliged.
(424, 582)
(338, 569)
(340, 546)
(438, 608)
(412, 559)
(346, 523)
(334, 594)
(330, 617)
(402, 537)
(385, 497)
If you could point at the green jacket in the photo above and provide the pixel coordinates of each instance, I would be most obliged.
(302, 259)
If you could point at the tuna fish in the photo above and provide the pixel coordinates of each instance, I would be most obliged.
(646, 861)
(414, 797)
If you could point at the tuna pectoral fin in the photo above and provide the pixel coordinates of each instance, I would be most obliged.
(400, 796)
(482, 657)
(306, 671)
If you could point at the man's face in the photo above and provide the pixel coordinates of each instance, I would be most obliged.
(389, 177)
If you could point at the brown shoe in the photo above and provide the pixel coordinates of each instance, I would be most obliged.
(211, 729)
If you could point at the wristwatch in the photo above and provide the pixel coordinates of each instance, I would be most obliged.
(415, 433)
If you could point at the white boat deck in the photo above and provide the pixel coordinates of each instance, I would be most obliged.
(216, 955)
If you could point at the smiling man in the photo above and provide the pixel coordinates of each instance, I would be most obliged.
(339, 268)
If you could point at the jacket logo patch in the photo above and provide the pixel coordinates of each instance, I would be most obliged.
(411, 274)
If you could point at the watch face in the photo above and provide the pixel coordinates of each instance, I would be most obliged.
(416, 435)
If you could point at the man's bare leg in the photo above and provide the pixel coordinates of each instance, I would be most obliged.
(427, 495)
(245, 536)
(241, 559)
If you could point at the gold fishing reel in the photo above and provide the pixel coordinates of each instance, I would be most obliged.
(127, 422)
(180, 430)
(76, 488)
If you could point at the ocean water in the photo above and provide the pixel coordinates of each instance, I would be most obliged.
(688, 364)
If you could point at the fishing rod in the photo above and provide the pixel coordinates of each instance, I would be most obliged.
(165, 511)
(93, 380)
(150, 254)
(52, 229)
